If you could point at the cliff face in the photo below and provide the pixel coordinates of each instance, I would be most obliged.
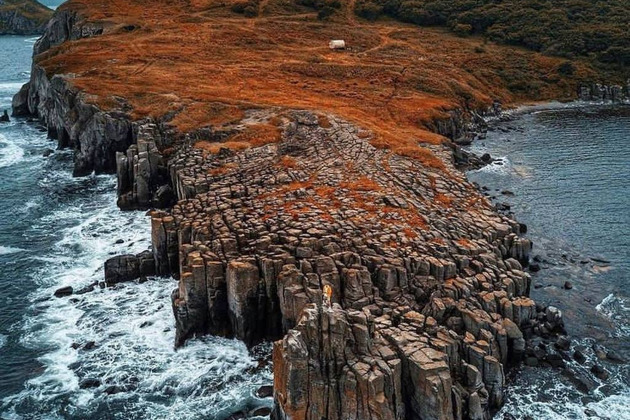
(23, 17)
(429, 302)
(429, 298)
(600, 92)
(95, 136)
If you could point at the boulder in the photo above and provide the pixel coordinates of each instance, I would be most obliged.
(64, 291)
(121, 268)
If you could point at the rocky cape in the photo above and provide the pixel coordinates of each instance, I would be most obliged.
(429, 305)
(23, 17)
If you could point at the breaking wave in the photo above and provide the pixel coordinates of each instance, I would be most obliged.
(10, 153)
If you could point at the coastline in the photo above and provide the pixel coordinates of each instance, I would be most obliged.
(141, 171)
(584, 279)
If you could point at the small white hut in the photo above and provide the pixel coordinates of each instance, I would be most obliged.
(337, 44)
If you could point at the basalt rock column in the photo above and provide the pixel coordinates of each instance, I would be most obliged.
(142, 174)
(429, 296)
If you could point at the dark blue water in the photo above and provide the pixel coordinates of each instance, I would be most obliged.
(56, 230)
(568, 167)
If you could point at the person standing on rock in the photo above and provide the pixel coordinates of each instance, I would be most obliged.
(327, 295)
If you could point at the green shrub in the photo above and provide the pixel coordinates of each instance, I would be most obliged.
(566, 28)
(566, 69)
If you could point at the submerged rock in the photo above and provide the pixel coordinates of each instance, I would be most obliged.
(600, 372)
(579, 357)
(89, 383)
(64, 291)
(264, 391)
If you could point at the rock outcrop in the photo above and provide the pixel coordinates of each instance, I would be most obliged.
(129, 267)
(23, 17)
(429, 296)
(429, 302)
(95, 136)
(141, 171)
(598, 92)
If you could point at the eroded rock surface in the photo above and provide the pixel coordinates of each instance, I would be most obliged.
(429, 294)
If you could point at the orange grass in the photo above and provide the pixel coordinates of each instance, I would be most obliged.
(443, 200)
(214, 147)
(207, 65)
(258, 135)
(362, 183)
(287, 162)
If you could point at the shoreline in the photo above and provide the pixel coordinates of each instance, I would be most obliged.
(590, 328)
(143, 189)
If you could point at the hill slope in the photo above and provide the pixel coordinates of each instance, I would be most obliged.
(566, 28)
(23, 17)
(182, 59)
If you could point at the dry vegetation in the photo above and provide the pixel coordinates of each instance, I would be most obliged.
(206, 64)
(32, 14)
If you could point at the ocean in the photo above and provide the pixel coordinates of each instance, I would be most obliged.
(564, 171)
(106, 354)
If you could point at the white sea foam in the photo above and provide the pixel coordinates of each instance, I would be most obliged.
(141, 374)
(11, 87)
(544, 394)
(615, 407)
(10, 153)
(617, 309)
(4, 250)
(3, 340)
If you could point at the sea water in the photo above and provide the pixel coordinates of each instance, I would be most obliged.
(564, 170)
(106, 354)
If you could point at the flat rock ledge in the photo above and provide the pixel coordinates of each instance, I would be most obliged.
(429, 304)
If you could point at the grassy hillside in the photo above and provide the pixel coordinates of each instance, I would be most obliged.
(207, 62)
(23, 17)
(568, 28)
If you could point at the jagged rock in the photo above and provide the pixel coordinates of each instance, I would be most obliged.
(613, 356)
(598, 93)
(129, 267)
(26, 17)
(19, 104)
(242, 278)
(579, 357)
(582, 381)
(89, 383)
(261, 412)
(600, 372)
(96, 136)
(64, 291)
(563, 343)
(89, 345)
(424, 277)
(141, 172)
(5, 117)
(264, 391)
